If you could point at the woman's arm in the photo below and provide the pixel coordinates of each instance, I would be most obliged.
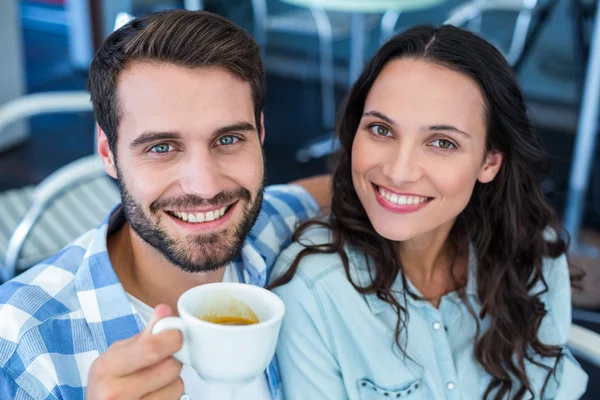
(306, 351)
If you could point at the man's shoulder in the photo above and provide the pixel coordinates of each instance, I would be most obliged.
(41, 303)
(289, 201)
(283, 208)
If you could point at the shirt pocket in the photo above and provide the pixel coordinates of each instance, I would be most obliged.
(410, 390)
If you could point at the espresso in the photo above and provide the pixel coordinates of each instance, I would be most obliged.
(229, 311)
(231, 319)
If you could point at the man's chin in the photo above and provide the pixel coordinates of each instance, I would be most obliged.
(205, 253)
(203, 264)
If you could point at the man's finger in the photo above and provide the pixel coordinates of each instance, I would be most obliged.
(145, 349)
(155, 377)
(160, 311)
(173, 391)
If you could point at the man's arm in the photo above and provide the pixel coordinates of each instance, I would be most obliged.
(319, 188)
(9, 389)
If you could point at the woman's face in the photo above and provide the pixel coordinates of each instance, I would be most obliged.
(420, 149)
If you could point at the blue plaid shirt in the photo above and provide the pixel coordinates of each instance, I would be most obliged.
(58, 317)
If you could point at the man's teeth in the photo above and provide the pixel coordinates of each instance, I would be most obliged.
(401, 199)
(195, 218)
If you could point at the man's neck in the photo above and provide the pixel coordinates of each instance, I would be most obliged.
(147, 275)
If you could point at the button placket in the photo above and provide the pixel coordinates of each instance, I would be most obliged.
(442, 346)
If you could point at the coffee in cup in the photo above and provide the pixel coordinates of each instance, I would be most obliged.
(229, 331)
(230, 312)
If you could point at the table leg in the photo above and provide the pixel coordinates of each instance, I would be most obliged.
(193, 5)
(357, 46)
(585, 143)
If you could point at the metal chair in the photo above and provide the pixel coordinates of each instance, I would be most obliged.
(530, 18)
(66, 204)
(585, 344)
(327, 27)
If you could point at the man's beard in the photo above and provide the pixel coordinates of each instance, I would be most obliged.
(205, 252)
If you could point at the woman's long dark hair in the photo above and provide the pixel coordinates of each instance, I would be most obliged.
(505, 219)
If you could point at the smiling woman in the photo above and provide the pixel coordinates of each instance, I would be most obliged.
(441, 271)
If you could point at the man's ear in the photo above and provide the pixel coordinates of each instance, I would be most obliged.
(106, 154)
(491, 166)
(262, 128)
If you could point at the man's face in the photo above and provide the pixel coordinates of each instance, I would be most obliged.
(189, 161)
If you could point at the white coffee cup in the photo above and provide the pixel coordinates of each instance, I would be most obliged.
(226, 355)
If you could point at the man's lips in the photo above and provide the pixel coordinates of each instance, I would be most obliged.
(200, 216)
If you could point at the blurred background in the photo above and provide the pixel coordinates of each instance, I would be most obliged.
(313, 50)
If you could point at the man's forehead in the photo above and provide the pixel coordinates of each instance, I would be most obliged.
(166, 97)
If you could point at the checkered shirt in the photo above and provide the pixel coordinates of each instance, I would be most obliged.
(57, 317)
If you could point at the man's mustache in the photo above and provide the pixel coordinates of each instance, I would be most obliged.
(189, 201)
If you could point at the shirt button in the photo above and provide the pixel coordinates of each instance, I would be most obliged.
(450, 386)
(436, 326)
(185, 397)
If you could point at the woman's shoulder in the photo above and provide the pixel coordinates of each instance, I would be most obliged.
(555, 293)
(555, 270)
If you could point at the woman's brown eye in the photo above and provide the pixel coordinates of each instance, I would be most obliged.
(380, 130)
(443, 144)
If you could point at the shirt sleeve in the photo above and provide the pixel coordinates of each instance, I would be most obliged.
(283, 208)
(570, 380)
(9, 389)
(305, 352)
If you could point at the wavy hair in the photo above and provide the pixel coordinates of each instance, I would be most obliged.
(505, 219)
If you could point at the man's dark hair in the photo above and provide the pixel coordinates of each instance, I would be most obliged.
(190, 39)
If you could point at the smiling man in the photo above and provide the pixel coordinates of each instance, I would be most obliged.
(178, 97)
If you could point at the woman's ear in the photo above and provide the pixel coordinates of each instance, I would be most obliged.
(490, 168)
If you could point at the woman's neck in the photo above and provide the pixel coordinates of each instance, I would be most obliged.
(434, 264)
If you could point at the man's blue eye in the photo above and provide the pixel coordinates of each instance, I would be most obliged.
(161, 148)
(227, 140)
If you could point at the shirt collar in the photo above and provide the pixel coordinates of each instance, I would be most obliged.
(362, 276)
(102, 296)
(110, 314)
(103, 300)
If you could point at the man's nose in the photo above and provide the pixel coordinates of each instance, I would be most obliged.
(201, 175)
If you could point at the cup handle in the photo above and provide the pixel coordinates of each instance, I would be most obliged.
(183, 354)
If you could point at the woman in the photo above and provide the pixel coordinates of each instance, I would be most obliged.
(441, 272)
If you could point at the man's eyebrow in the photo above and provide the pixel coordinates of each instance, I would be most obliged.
(380, 115)
(149, 137)
(236, 127)
(447, 128)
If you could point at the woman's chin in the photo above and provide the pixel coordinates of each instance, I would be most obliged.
(396, 235)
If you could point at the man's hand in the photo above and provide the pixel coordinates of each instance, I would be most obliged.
(141, 367)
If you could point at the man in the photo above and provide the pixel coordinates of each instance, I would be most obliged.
(178, 97)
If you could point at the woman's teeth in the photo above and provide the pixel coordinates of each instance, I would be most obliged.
(196, 218)
(401, 199)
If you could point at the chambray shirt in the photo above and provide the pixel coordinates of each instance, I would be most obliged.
(58, 317)
(338, 344)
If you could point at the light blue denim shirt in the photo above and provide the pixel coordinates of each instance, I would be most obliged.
(338, 344)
